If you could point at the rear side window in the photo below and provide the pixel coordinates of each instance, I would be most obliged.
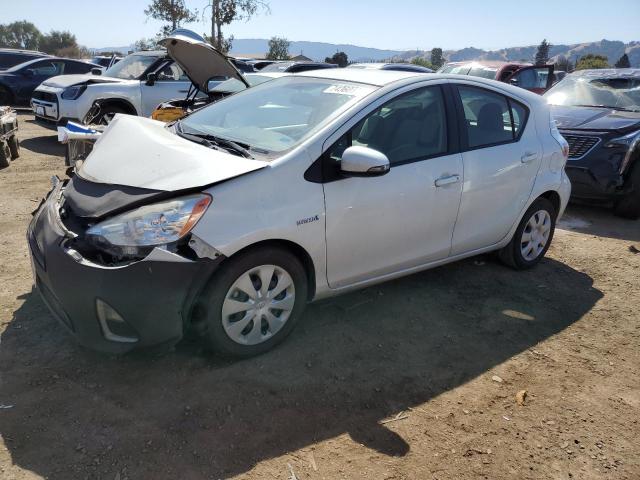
(77, 67)
(490, 118)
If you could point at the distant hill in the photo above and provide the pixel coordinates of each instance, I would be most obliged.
(612, 49)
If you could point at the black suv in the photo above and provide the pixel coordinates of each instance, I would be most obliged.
(598, 113)
(10, 57)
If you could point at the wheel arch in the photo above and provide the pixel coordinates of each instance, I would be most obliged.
(554, 198)
(9, 90)
(297, 250)
(118, 102)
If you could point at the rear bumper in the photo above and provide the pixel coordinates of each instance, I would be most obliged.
(153, 296)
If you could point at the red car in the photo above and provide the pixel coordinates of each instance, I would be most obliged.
(538, 79)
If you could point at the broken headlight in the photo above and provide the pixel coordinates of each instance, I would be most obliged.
(152, 225)
(629, 141)
(73, 92)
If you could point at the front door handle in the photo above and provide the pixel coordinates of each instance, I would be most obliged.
(528, 157)
(448, 180)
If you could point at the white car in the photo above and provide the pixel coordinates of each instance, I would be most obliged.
(229, 221)
(137, 84)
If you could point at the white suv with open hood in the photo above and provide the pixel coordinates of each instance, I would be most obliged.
(229, 221)
(137, 84)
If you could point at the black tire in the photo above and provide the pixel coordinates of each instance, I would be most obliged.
(629, 205)
(512, 254)
(14, 146)
(5, 154)
(107, 112)
(6, 97)
(214, 333)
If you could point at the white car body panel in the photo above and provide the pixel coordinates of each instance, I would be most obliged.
(150, 161)
(347, 227)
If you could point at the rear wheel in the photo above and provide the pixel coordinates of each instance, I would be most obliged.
(14, 147)
(629, 205)
(6, 98)
(254, 302)
(533, 236)
(5, 154)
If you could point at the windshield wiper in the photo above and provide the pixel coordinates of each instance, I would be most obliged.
(622, 109)
(212, 141)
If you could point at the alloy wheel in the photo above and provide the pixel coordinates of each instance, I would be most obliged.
(258, 304)
(535, 235)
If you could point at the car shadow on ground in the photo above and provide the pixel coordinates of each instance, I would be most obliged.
(47, 145)
(600, 221)
(353, 361)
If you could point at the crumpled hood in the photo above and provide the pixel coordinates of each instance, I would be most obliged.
(140, 152)
(587, 118)
(64, 81)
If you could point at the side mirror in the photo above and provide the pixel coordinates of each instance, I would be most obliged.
(514, 82)
(363, 162)
(96, 71)
(151, 79)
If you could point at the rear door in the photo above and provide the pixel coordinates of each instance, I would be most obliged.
(534, 79)
(501, 156)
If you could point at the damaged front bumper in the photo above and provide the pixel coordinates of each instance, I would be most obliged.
(112, 308)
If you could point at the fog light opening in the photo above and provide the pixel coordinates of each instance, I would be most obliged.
(114, 327)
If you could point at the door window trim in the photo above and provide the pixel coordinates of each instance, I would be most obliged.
(464, 137)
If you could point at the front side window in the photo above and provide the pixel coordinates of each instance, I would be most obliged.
(410, 127)
(277, 115)
(172, 73)
(490, 118)
(131, 67)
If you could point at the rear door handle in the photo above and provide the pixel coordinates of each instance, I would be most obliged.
(528, 157)
(442, 181)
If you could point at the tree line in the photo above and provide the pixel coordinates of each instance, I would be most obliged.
(25, 35)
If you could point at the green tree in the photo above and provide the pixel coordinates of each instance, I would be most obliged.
(423, 62)
(592, 61)
(563, 64)
(437, 59)
(278, 49)
(223, 12)
(542, 55)
(20, 35)
(145, 44)
(339, 58)
(56, 41)
(173, 12)
(623, 62)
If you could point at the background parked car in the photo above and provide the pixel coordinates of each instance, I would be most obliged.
(296, 67)
(10, 57)
(399, 67)
(537, 79)
(137, 84)
(598, 112)
(18, 82)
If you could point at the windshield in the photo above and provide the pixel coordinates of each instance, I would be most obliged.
(455, 69)
(131, 67)
(278, 115)
(622, 93)
(484, 72)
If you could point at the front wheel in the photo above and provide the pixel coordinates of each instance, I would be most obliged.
(254, 302)
(629, 205)
(533, 236)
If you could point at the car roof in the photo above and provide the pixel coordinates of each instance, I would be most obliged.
(151, 53)
(361, 75)
(490, 63)
(20, 50)
(608, 73)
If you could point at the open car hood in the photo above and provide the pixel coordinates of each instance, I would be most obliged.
(200, 61)
(140, 152)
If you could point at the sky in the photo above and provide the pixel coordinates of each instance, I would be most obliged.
(387, 24)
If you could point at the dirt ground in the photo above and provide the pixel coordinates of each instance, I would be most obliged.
(412, 379)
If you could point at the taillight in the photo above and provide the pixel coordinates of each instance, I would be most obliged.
(555, 133)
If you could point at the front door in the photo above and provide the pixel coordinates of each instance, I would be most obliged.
(501, 160)
(172, 83)
(380, 225)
